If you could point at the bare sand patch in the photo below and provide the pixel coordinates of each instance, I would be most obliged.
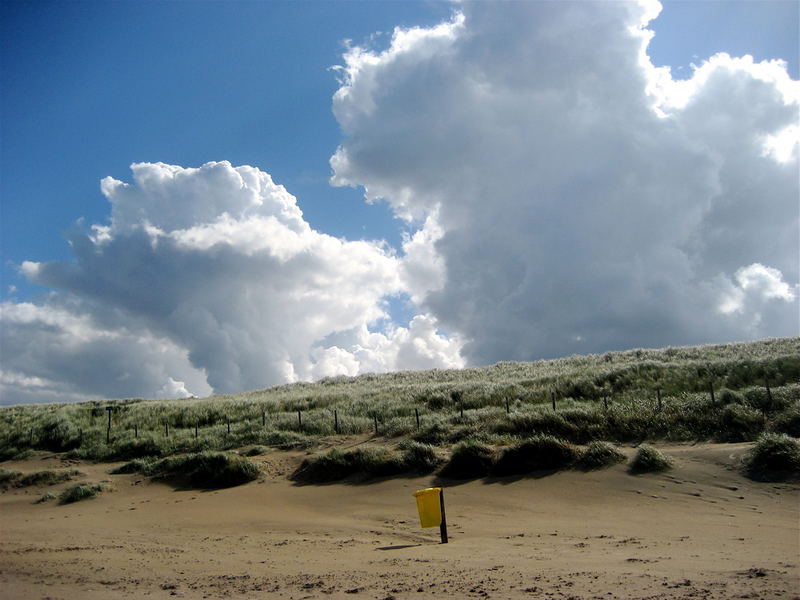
(701, 530)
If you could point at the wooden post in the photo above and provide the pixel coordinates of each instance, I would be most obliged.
(508, 409)
(375, 419)
(336, 421)
(553, 398)
(461, 407)
(195, 431)
(30, 437)
(166, 429)
(658, 393)
(711, 389)
(108, 430)
(605, 402)
(228, 422)
(443, 526)
(769, 392)
(416, 414)
(299, 419)
(136, 431)
(263, 418)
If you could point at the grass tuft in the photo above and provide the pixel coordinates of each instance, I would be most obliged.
(419, 458)
(649, 460)
(80, 491)
(599, 455)
(540, 453)
(208, 470)
(470, 459)
(335, 465)
(47, 477)
(774, 457)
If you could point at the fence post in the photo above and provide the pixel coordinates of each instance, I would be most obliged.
(136, 431)
(375, 419)
(336, 421)
(166, 429)
(108, 430)
(605, 402)
(553, 398)
(263, 418)
(658, 393)
(299, 419)
(769, 392)
(228, 422)
(711, 388)
(416, 414)
(508, 410)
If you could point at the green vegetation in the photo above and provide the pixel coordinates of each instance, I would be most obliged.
(649, 460)
(470, 459)
(206, 470)
(46, 497)
(80, 491)
(368, 462)
(775, 457)
(726, 393)
(47, 477)
(599, 455)
(540, 453)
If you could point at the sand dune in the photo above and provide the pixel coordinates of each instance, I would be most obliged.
(699, 531)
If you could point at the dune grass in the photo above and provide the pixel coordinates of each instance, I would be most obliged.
(774, 457)
(649, 460)
(599, 455)
(80, 491)
(470, 459)
(612, 397)
(205, 470)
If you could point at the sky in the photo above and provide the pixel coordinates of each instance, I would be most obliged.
(213, 197)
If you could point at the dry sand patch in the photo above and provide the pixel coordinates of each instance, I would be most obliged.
(698, 531)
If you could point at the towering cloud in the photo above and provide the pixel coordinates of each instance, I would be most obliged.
(583, 199)
(208, 278)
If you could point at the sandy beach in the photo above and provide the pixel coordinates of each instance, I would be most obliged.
(701, 530)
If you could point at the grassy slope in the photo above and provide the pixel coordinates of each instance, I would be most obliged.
(612, 396)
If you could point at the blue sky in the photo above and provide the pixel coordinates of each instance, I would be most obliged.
(91, 87)
(508, 228)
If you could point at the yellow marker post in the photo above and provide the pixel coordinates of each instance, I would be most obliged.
(430, 505)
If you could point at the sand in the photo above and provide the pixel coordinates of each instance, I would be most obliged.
(701, 530)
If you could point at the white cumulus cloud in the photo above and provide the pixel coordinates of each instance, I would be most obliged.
(583, 200)
(216, 268)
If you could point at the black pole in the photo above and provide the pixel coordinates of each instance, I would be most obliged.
(443, 525)
(299, 419)
(416, 414)
(336, 421)
(769, 392)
